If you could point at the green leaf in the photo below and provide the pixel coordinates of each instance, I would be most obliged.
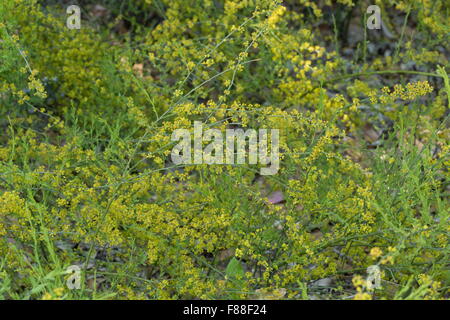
(234, 269)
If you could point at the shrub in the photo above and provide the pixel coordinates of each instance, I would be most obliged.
(87, 178)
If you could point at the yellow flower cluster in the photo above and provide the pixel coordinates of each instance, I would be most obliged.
(86, 173)
(409, 92)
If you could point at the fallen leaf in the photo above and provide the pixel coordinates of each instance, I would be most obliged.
(370, 134)
(225, 254)
(139, 69)
(99, 11)
(276, 197)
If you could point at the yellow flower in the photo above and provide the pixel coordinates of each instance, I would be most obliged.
(375, 252)
(358, 281)
(59, 291)
(47, 296)
(362, 296)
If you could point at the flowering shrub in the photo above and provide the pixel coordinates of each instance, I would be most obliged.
(87, 178)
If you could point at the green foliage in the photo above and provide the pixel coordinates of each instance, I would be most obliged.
(85, 171)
